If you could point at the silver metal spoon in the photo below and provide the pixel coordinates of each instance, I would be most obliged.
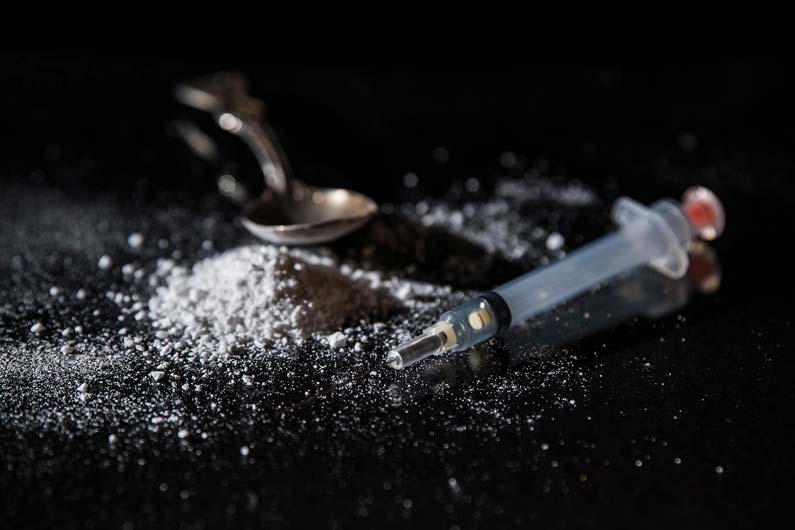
(289, 211)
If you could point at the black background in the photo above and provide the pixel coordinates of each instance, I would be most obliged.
(88, 124)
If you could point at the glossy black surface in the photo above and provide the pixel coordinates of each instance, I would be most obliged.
(560, 434)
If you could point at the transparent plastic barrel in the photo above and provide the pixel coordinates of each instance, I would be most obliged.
(658, 236)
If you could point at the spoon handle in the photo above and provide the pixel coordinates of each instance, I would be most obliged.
(206, 149)
(272, 161)
(225, 95)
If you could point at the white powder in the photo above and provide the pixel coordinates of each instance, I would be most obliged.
(264, 295)
(506, 222)
(337, 340)
(135, 240)
(555, 241)
(105, 262)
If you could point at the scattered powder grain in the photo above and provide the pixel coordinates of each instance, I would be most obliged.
(105, 262)
(135, 240)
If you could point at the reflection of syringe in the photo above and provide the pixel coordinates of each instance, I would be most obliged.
(641, 292)
(658, 236)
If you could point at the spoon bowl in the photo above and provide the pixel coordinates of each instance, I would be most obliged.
(307, 216)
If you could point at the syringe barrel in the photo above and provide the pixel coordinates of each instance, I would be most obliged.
(658, 236)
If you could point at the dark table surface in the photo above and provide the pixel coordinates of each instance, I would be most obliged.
(682, 420)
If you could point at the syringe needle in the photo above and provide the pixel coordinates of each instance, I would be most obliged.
(658, 236)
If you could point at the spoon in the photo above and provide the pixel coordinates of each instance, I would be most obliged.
(289, 211)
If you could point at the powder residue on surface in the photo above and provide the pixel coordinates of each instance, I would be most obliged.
(176, 330)
(510, 221)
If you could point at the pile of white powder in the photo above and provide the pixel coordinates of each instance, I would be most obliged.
(263, 295)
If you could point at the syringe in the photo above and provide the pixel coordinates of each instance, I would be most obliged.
(658, 236)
